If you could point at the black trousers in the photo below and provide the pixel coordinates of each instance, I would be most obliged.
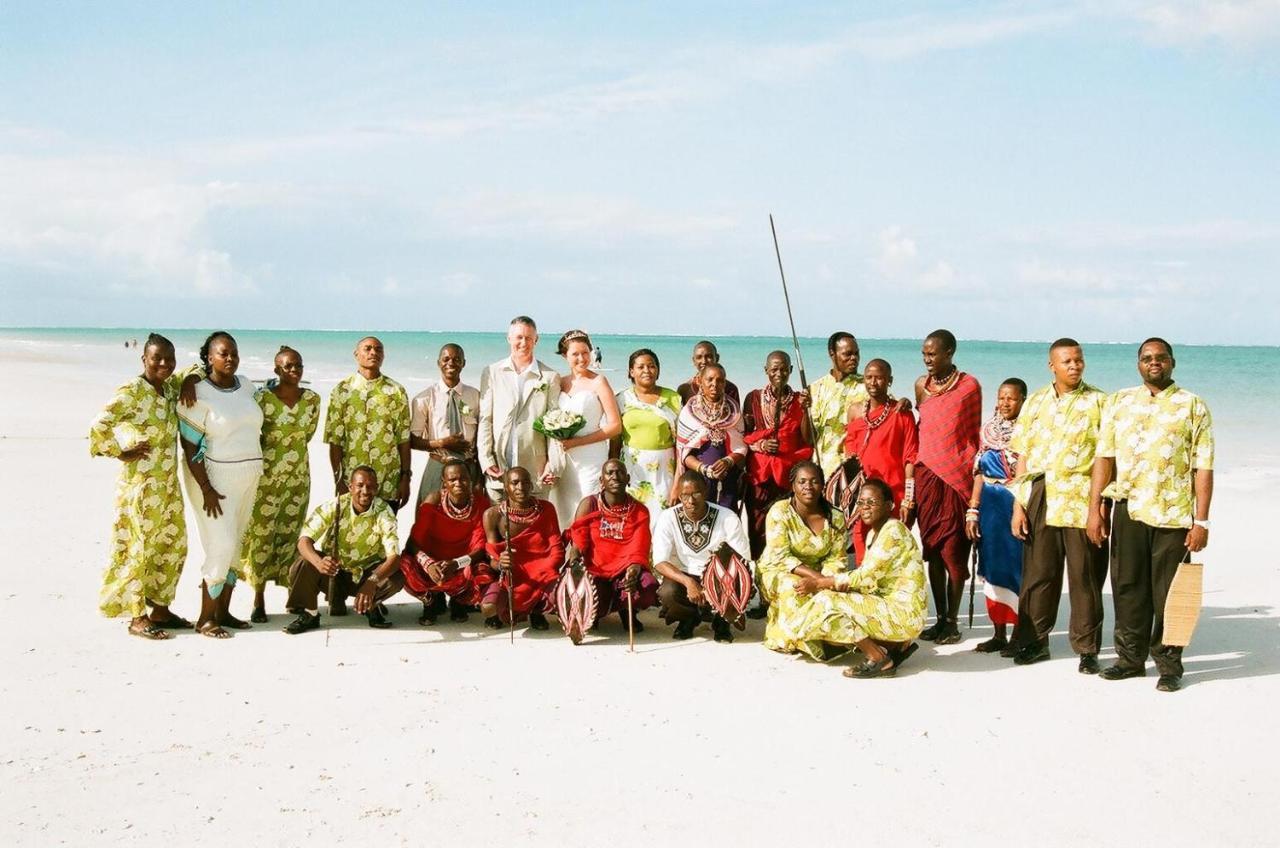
(1144, 560)
(1043, 554)
(674, 603)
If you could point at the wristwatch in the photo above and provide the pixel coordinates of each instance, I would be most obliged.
(1201, 522)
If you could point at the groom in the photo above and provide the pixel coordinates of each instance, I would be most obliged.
(514, 392)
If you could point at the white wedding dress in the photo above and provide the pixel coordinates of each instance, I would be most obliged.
(581, 473)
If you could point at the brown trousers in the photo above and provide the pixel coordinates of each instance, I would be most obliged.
(306, 583)
(1042, 566)
(1144, 560)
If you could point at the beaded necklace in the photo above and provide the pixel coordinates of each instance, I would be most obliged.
(456, 513)
(522, 516)
(771, 406)
(715, 419)
(935, 388)
(613, 519)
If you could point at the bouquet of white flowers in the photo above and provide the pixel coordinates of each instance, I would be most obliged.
(559, 424)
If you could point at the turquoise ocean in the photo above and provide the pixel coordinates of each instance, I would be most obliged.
(1239, 383)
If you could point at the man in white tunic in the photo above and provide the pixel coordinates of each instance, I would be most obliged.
(686, 537)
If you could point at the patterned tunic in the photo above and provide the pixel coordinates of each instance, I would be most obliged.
(829, 407)
(885, 601)
(366, 539)
(1058, 437)
(271, 543)
(369, 420)
(149, 539)
(1157, 442)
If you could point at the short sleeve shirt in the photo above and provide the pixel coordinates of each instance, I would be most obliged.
(1057, 435)
(369, 420)
(366, 538)
(1158, 442)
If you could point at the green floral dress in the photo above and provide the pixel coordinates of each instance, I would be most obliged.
(284, 492)
(149, 538)
(885, 601)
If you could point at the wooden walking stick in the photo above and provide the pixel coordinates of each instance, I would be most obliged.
(973, 581)
(631, 623)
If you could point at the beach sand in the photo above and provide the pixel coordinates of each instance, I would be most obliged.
(453, 735)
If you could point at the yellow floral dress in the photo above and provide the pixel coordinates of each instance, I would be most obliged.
(284, 492)
(369, 420)
(789, 544)
(885, 601)
(149, 538)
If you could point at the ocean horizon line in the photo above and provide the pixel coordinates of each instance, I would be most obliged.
(601, 334)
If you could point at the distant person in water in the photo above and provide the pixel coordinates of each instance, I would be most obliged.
(950, 405)
(704, 354)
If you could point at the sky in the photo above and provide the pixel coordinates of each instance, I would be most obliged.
(1104, 170)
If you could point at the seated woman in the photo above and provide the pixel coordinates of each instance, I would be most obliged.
(879, 608)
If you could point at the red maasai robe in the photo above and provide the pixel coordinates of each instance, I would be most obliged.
(539, 553)
(884, 452)
(768, 475)
(441, 537)
(950, 424)
(608, 547)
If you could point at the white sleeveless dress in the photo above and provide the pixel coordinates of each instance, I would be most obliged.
(581, 474)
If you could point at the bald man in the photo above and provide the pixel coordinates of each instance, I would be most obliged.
(367, 423)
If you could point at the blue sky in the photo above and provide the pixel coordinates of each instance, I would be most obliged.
(1013, 171)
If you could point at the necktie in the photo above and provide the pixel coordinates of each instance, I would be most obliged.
(453, 416)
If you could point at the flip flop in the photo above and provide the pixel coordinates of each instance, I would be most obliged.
(150, 630)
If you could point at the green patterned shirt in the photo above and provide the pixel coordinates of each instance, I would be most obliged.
(366, 539)
(1057, 436)
(1157, 441)
(369, 420)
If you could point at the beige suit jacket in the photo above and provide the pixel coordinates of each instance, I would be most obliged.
(506, 416)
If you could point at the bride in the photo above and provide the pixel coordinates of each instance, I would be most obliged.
(588, 394)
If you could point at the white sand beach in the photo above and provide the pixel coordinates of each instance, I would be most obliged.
(452, 735)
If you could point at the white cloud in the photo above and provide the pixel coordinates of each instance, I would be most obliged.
(1242, 24)
(899, 260)
(578, 216)
(1225, 233)
(136, 224)
(1037, 277)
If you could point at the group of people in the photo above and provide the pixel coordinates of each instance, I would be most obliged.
(816, 489)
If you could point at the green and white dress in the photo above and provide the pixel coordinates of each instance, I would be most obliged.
(149, 538)
(649, 447)
(284, 492)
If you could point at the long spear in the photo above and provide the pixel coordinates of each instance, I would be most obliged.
(973, 564)
(511, 592)
(795, 342)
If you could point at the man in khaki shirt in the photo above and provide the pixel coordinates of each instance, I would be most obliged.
(444, 419)
(1155, 462)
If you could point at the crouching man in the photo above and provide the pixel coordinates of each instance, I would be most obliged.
(352, 539)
